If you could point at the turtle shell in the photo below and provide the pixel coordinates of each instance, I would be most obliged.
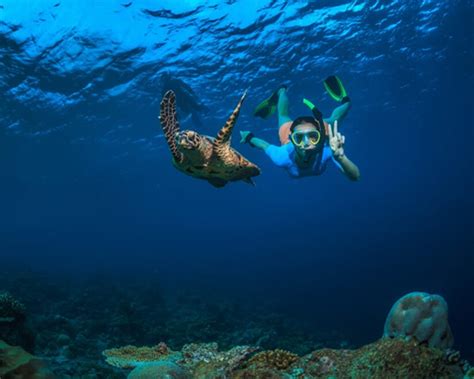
(216, 167)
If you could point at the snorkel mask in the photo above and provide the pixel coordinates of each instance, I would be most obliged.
(312, 140)
(301, 139)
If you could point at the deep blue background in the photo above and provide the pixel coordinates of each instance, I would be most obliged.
(80, 193)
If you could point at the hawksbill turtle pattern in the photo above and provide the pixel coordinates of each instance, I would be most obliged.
(204, 157)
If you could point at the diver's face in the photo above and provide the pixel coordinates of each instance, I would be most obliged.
(305, 138)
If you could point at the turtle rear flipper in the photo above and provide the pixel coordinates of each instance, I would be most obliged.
(169, 123)
(217, 182)
(249, 181)
(222, 141)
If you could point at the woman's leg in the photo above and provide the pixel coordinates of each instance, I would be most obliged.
(284, 120)
(283, 114)
(339, 114)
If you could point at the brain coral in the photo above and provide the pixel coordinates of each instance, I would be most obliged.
(421, 316)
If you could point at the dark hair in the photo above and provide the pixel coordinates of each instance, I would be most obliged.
(305, 120)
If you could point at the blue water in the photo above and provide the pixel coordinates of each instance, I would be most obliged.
(87, 185)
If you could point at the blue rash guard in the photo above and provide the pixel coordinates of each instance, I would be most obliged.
(284, 156)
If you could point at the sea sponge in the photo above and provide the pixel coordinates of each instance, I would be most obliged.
(421, 316)
(277, 359)
(132, 356)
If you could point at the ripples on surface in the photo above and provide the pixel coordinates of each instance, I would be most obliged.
(93, 68)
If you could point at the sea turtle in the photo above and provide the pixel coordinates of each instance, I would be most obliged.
(204, 157)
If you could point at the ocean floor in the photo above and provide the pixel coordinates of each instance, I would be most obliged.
(98, 328)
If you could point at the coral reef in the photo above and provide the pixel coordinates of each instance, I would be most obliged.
(199, 360)
(206, 361)
(131, 356)
(74, 322)
(11, 310)
(13, 327)
(17, 363)
(386, 358)
(163, 369)
(193, 353)
(71, 321)
(421, 316)
(276, 359)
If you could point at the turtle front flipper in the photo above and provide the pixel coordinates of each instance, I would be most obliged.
(169, 123)
(222, 141)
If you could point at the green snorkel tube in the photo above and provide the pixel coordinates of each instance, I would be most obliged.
(318, 116)
(316, 112)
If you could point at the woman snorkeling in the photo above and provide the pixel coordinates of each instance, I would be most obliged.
(308, 143)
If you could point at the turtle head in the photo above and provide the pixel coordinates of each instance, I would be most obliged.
(188, 140)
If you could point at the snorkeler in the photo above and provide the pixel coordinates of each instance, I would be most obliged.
(188, 101)
(308, 142)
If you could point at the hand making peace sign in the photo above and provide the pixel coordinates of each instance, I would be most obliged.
(336, 141)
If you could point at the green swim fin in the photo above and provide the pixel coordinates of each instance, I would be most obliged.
(335, 88)
(268, 106)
